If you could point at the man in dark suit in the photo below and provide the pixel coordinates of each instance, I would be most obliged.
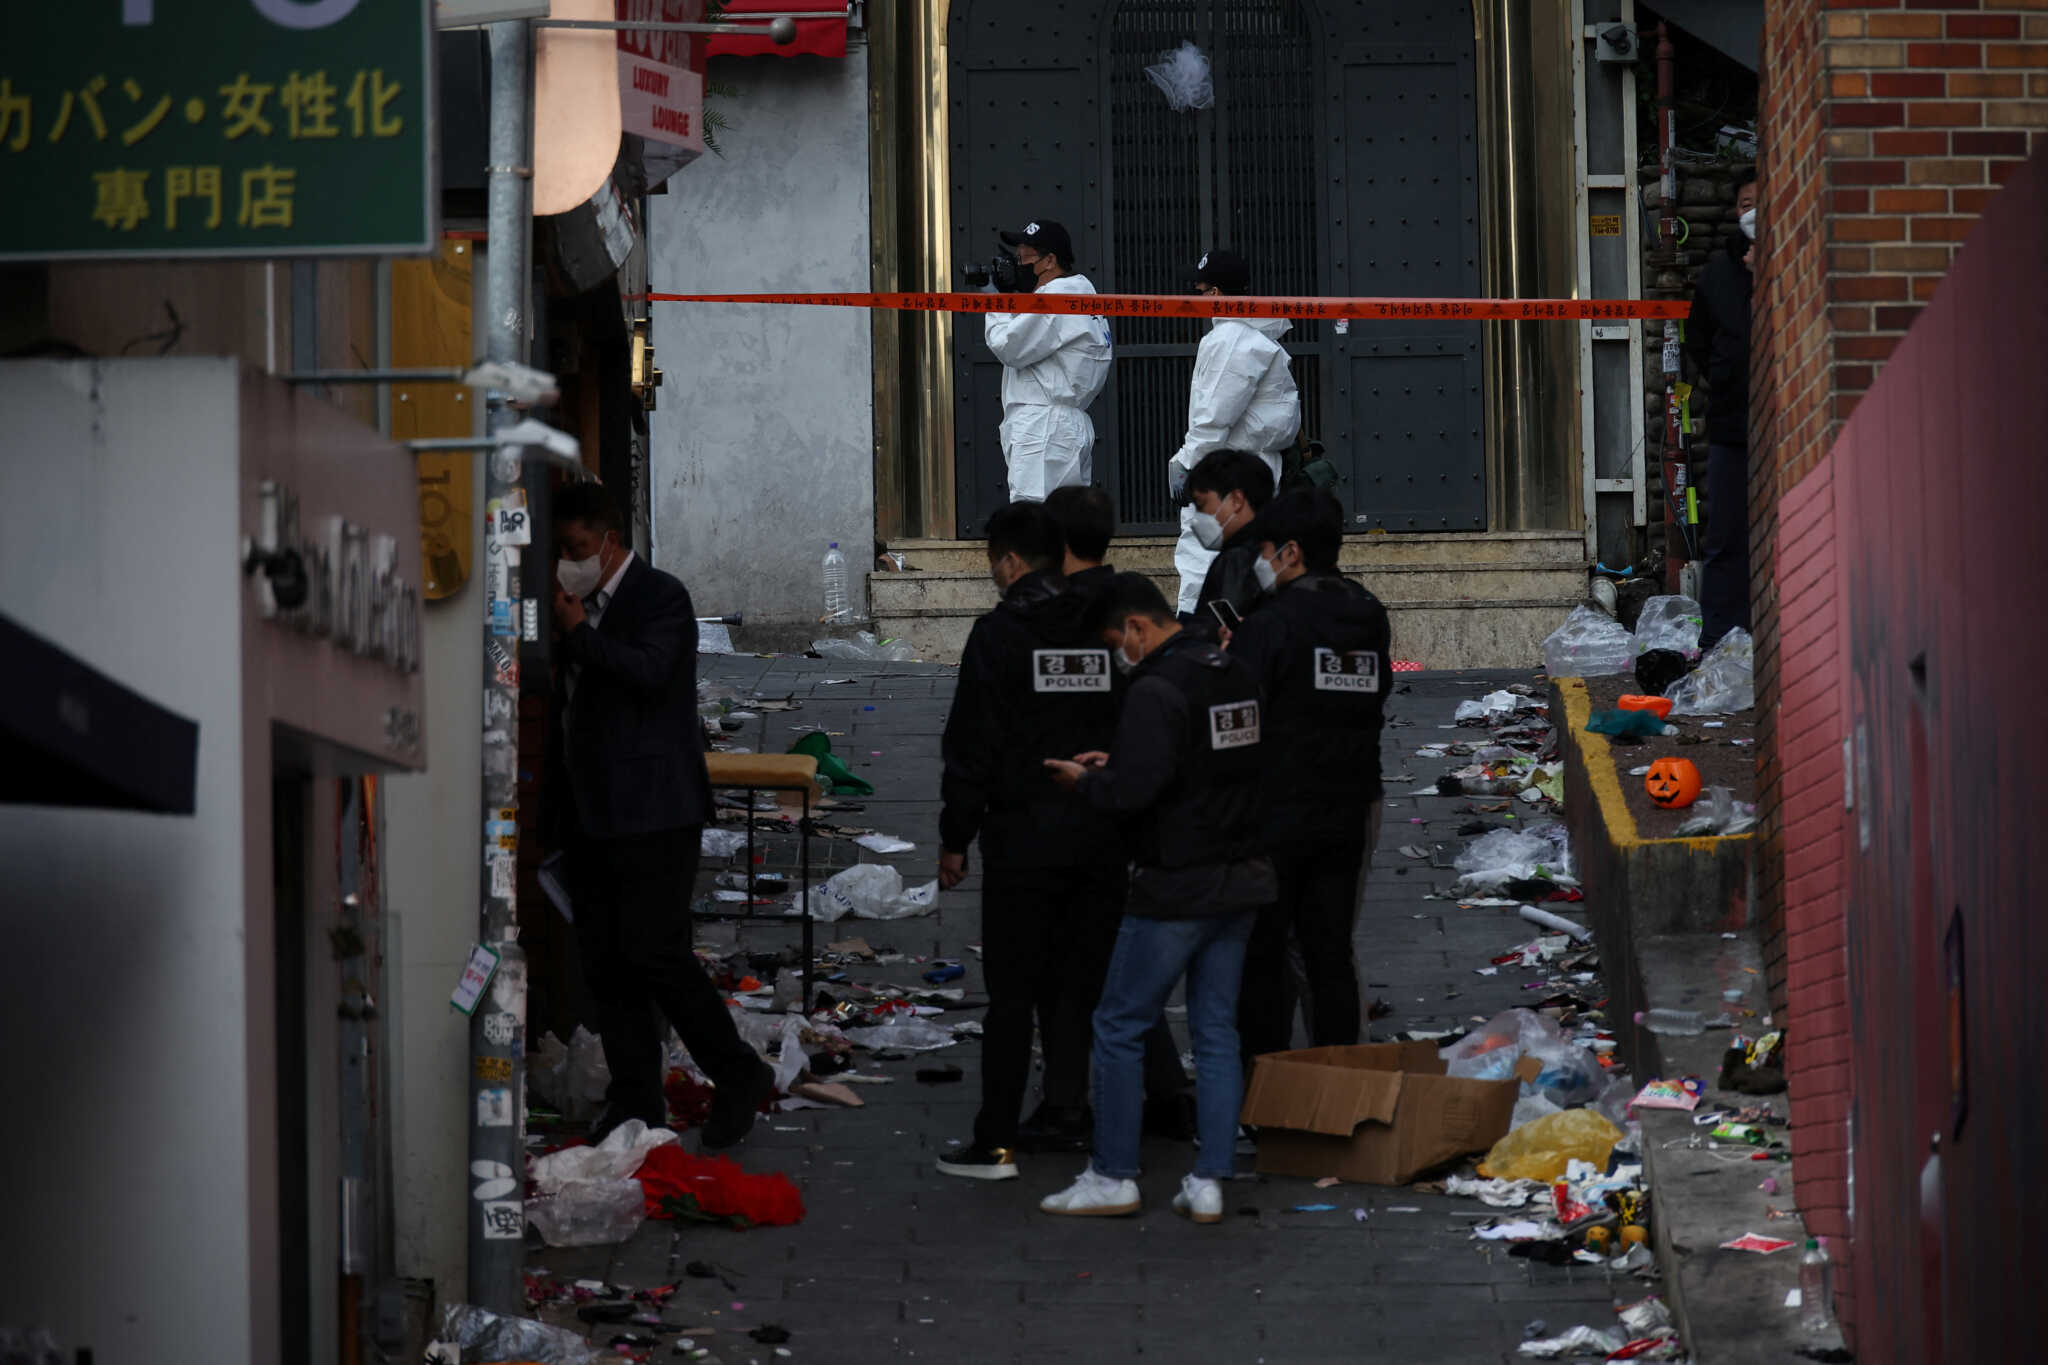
(637, 798)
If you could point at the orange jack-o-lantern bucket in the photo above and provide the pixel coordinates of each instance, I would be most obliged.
(1672, 783)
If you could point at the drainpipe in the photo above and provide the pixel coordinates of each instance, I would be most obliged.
(1680, 506)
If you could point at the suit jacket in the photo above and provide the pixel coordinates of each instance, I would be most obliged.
(633, 745)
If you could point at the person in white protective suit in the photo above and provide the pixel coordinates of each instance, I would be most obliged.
(1243, 398)
(1054, 366)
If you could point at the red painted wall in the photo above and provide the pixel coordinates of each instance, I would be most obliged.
(1927, 517)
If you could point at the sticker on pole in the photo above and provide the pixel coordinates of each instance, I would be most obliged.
(494, 1107)
(476, 974)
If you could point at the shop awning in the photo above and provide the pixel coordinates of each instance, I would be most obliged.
(820, 29)
(72, 736)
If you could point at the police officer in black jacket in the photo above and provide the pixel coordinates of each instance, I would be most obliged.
(1087, 523)
(1229, 488)
(1318, 646)
(1033, 684)
(1184, 779)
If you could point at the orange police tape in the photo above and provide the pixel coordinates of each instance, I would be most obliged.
(1219, 306)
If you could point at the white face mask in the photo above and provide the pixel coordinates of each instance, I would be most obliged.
(1124, 662)
(1207, 530)
(1747, 222)
(1262, 569)
(581, 577)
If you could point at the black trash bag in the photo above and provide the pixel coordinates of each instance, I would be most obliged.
(1657, 669)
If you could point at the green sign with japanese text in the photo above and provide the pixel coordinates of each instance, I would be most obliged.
(161, 128)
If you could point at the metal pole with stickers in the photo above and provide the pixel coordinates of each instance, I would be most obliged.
(497, 1005)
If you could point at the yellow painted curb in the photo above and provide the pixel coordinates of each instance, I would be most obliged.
(1605, 778)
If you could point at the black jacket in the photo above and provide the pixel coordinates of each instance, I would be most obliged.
(1091, 583)
(633, 750)
(1033, 685)
(1230, 579)
(1717, 342)
(1319, 650)
(1184, 777)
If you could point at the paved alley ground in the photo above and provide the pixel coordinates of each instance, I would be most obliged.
(897, 1262)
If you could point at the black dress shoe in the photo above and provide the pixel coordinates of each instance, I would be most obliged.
(734, 1108)
(1056, 1130)
(616, 1114)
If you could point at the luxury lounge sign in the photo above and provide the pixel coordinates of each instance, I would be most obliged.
(335, 580)
(660, 97)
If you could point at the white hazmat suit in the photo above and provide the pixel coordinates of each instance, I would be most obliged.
(1243, 398)
(1054, 366)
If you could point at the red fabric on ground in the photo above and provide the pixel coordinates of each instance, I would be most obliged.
(719, 1186)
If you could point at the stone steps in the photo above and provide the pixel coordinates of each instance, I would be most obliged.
(1455, 601)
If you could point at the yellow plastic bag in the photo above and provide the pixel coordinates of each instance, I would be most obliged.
(1542, 1148)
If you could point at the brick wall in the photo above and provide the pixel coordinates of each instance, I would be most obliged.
(1884, 129)
(1814, 944)
(1789, 377)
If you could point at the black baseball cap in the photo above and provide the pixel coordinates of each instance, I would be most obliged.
(1046, 236)
(1226, 270)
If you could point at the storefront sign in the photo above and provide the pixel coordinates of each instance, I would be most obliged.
(353, 593)
(660, 98)
(234, 128)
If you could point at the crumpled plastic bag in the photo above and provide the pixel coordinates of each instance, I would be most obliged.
(1615, 1098)
(1531, 1107)
(1495, 708)
(1182, 75)
(1669, 623)
(1589, 644)
(1719, 813)
(481, 1334)
(1498, 857)
(1495, 1194)
(908, 1033)
(1580, 1341)
(871, 891)
(790, 1058)
(1724, 683)
(588, 1213)
(1545, 1149)
(571, 1078)
(617, 1157)
(865, 646)
(1570, 1074)
(720, 843)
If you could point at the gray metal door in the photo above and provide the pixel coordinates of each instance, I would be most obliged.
(1024, 107)
(1340, 158)
(1405, 415)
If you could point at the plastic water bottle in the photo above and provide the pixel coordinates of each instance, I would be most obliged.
(1816, 1286)
(838, 596)
(1673, 1023)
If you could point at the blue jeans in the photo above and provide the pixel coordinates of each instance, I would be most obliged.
(1151, 956)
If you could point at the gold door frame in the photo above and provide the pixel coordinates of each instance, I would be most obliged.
(1522, 67)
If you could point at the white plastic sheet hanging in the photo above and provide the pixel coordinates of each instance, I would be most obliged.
(1182, 75)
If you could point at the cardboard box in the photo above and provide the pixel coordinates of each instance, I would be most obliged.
(1381, 1113)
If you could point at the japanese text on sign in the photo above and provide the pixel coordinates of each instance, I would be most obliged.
(270, 129)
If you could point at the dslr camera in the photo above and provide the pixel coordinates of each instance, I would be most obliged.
(1002, 270)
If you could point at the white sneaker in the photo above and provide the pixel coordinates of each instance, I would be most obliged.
(1200, 1199)
(1094, 1196)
